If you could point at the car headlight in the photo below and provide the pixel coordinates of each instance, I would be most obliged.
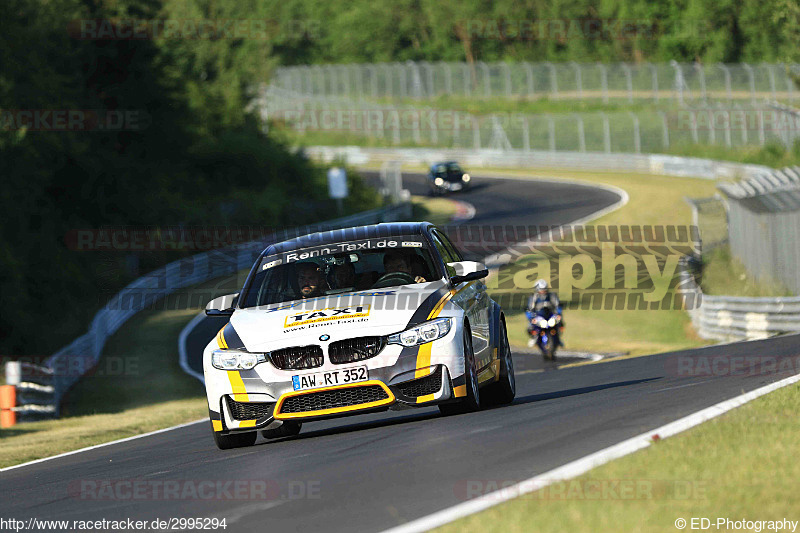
(235, 359)
(438, 181)
(427, 332)
(466, 178)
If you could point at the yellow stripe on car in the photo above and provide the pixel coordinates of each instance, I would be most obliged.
(237, 386)
(334, 410)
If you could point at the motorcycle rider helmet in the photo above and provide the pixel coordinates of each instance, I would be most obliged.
(541, 285)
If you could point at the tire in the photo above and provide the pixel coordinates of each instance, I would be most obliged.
(287, 429)
(472, 401)
(235, 440)
(550, 349)
(502, 392)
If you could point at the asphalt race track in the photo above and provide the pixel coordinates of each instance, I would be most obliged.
(371, 472)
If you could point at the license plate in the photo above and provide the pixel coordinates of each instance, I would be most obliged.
(330, 378)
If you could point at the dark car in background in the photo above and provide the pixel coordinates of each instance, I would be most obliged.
(446, 177)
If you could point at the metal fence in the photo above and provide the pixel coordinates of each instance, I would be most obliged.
(64, 368)
(655, 82)
(764, 225)
(358, 121)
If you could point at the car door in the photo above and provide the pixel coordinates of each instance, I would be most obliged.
(471, 297)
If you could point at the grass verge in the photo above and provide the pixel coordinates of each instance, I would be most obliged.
(724, 274)
(653, 200)
(438, 210)
(137, 387)
(740, 465)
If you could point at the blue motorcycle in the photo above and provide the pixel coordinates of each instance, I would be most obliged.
(545, 330)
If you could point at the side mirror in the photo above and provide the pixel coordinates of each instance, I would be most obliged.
(222, 306)
(467, 271)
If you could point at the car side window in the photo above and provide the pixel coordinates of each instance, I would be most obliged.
(443, 252)
(451, 247)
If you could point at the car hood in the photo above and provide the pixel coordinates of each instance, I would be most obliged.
(356, 314)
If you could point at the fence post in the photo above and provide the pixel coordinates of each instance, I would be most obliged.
(467, 73)
(654, 78)
(526, 134)
(664, 129)
(603, 81)
(727, 127)
(529, 77)
(581, 133)
(553, 79)
(678, 80)
(712, 131)
(387, 80)
(507, 72)
(637, 139)
(551, 132)
(487, 80)
(702, 75)
(448, 78)
(771, 76)
(401, 68)
(728, 90)
(578, 80)
(752, 79)
(628, 81)
(606, 134)
(476, 134)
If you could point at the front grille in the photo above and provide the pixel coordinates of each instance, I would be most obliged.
(357, 349)
(297, 357)
(329, 399)
(249, 411)
(422, 386)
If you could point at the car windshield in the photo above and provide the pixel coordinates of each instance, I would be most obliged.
(339, 267)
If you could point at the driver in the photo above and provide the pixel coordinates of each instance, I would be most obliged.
(399, 262)
(310, 279)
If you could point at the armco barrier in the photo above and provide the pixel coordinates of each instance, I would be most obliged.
(621, 162)
(70, 363)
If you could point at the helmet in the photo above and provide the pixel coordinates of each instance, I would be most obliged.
(541, 285)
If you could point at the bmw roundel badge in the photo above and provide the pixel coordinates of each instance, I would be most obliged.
(324, 337)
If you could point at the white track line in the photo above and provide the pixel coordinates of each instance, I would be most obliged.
(103, 445)
(183, 357)
(584, 464)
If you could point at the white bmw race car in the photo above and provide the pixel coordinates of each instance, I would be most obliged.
(353, 321)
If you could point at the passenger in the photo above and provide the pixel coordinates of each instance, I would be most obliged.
(399, 262)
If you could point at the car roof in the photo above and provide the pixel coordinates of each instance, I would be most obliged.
(374, 231)
(443, 163)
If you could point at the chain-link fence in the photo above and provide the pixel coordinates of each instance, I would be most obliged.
(655, 82)
(341, 118)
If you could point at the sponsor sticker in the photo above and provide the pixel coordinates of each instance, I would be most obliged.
(325, 315)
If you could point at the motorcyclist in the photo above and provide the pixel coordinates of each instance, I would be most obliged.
(540, 303)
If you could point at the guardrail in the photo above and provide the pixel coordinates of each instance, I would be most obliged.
(741, 318)
(42, 396)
